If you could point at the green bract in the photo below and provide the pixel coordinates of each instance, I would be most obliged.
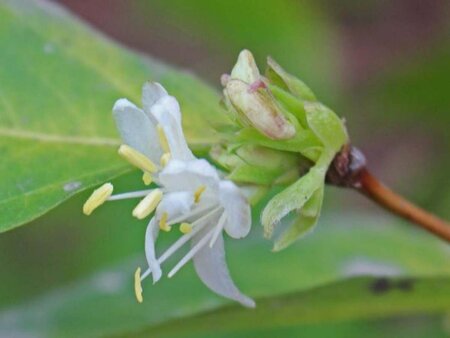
(283, 136)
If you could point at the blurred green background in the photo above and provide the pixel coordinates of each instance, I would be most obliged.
(383, 65)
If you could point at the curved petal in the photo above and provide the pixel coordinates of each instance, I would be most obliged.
(189, 176)
(136, 129)
(237, 209)
(167, 111)
(211, 267)
(151, 234)
(162, 107)
(151, 93)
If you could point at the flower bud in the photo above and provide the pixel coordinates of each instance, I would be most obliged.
(251, 101)
(245, 68)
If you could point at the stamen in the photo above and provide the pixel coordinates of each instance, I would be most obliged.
(198, 193)
(138, 286)
(148, 204)
(185, 228)
(137, 159)
(198, 225)
(134, 194)
(163, 222)
(163, 139)
(196, 211)
(98, 197)
(196, 248)
(218, 229)
(147, 178)
(165, 158)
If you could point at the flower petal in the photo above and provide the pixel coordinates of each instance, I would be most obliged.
(237, 209)
(136, 129)
(151, 93)
(211, 267)
(175, 204)
(189, 176)
(158, 104)
(151, 234)
(167, 112)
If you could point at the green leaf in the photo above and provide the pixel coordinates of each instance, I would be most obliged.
(60, 80)
(417, 326)
(358, 298)
(104, 303)
(69, 312)
(299, 35)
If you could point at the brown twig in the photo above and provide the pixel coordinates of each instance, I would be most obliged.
(349, 170)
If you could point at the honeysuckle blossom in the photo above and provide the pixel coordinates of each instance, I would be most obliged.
(190, 193)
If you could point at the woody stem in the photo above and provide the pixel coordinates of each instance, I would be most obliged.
(349, 170)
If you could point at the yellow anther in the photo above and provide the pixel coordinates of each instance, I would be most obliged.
(147, 178)
(137, 159)
(163, 222)
(185, 228)
(198, 193)
(98, 197)
(165, 158)
(148, 204)
(163, 138)
(138, 286)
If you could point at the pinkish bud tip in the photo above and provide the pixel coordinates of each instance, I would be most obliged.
(224, 78)
(258, 84)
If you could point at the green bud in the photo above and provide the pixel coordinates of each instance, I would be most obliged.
(257, 165)
(224, 157)
(282, 135)
(263, 157)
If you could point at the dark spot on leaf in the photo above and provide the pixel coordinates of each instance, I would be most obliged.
(405, 284)
(380, 286)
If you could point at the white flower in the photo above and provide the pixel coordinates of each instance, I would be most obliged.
(191, 193)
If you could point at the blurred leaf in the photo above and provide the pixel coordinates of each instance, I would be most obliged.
(340, 248)
(407, 108)
(94, 309)
(356, 298)
(416, 88)
(59, 82)
(297, 34)
(397, 327)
